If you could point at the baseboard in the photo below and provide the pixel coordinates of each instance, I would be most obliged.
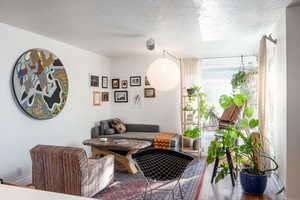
(23, 180)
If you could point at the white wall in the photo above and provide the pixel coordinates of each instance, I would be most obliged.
(19, 133)
(163, 110)
(278, 94)
(293, 100)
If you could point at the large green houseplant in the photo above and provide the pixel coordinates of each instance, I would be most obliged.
(247, 153)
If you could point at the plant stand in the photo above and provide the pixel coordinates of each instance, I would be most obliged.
(231, 168)
(186, 123)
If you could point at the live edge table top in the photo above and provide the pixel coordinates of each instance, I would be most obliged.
(118, 144)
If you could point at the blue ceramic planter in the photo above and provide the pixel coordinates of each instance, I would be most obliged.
(252, 184)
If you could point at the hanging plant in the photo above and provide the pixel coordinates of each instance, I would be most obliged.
(238, 79)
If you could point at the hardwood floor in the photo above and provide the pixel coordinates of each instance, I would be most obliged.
(224, 190)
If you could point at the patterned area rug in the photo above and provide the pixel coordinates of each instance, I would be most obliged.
(131, 187)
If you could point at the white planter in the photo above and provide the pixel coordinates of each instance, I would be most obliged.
(190, 117)
(188, 142)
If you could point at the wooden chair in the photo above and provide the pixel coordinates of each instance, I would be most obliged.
(230, 116)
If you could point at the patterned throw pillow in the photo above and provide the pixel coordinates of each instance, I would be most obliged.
(118, 125)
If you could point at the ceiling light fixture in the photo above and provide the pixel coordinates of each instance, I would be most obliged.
(150, 44)
(164, 74)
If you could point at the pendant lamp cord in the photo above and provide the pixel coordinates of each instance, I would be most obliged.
(242, 68)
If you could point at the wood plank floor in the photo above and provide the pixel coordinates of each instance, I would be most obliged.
(224, 190)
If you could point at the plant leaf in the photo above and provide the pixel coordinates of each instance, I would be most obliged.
(243, 123)
(225, 101)
(253, 123)
(248, 112)
(240, 99)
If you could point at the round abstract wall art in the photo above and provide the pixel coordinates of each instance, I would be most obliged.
(40, 84)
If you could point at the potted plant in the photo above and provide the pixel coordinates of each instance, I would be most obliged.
(191, 112)
(212, 116)
(190, 91)
(247, 153)
(190, 137)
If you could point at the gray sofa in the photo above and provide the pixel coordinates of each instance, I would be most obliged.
(145, 132)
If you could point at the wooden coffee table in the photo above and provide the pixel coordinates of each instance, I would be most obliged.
(113, 146)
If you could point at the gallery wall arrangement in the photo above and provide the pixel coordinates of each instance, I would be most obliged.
(121, 96)
(40, 84)
(98, 96)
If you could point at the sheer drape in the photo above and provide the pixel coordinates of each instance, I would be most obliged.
(265, 110)
(190, 69)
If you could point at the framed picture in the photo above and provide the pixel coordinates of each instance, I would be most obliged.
(115, 83)
(121, 96)
(149, 92)
(94, 81)
(105, 96)
(104, 82)
(96, 98)
(146, 81)
(135, 81)
(124, 84)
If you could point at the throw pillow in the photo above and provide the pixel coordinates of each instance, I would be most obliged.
(118, 125)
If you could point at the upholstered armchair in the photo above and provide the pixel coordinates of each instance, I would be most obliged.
(68, 170)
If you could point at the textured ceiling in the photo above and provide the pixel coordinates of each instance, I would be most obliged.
(120, 27)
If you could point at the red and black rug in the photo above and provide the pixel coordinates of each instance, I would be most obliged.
(132, 187)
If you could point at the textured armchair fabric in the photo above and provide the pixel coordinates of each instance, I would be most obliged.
(68, 170)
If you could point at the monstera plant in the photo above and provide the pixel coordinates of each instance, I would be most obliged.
(248, 153)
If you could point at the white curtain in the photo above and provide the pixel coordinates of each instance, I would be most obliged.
(265, 100)
(190, 72)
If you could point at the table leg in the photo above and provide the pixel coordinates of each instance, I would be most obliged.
(125, 160)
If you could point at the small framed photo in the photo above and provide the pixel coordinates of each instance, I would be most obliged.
(124, 84)
(146, 81)
(94, 81)
(105, 96)
(115, 83)
(96, 98)
(135, 81)
(121, 96)
(149, 92)
(104, 82)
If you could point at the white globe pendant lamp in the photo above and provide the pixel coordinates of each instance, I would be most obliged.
(163, 74)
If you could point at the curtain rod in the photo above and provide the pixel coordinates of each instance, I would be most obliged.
(270, 38)
(206, 58)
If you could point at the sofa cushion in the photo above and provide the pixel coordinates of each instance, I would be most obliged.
(105, 124)
(109, 131)
(142, 128)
